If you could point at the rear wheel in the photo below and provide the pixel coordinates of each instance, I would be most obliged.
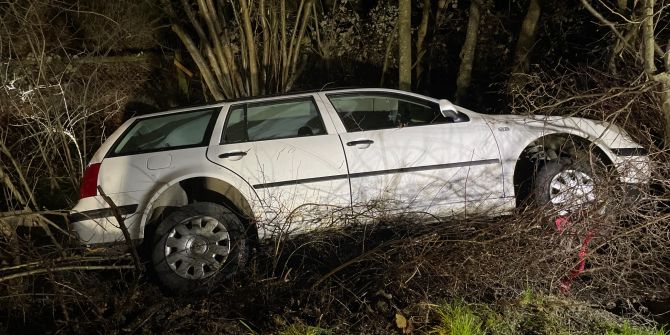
(197, 243)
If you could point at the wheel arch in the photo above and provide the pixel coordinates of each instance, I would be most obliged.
(550, 147)
(191, 189)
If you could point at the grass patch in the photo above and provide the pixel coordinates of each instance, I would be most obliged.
(303, 329)
(532, 313)
(458, 319)
(627, 329)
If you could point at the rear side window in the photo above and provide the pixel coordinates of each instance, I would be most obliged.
(272, 120)
(166, 132)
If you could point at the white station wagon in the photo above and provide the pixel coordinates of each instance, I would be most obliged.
(200, 184)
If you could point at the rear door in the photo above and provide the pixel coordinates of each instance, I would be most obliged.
(290, 155)
(404, 154)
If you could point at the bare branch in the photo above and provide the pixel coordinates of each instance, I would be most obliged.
(65, 268)
(199, 61)
(648, 37)
(251, 46)
(119, 219)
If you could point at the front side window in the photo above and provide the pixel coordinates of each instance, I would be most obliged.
(272, 120)
(171, 131)
(361, 112)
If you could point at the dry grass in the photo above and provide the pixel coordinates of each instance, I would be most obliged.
(354, 278)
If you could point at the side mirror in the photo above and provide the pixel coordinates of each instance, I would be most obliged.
(450, 111)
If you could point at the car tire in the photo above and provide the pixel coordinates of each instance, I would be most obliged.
(568, 184)
(588, 194)
(197, 244)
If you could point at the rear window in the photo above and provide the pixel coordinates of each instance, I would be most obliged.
(166, 132)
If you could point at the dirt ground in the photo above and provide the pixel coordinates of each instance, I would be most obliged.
(353, 280)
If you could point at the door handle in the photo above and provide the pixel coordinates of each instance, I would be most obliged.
(357, 142)
(233, 154)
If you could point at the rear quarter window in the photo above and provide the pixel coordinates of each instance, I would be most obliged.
(166, 132)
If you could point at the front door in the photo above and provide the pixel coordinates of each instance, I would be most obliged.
(286, 152)
(403, 154)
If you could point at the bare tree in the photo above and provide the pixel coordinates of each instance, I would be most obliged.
(527, 36)
(421, 39)
(468, 51)
(405, 44)
(245, 48)
(641, 24)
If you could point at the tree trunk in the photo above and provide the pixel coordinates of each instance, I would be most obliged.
(301, 25)
(284, 52)
(647, 51)
(266, 45)
(387, 54)
(664, 95)
(251, 47)
(405, 44)
(527, 37)
(663, 78)
(205, 71)
(649, 39)
(420, 40)
(468, 51)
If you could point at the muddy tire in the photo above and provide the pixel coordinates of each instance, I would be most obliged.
(196, 245)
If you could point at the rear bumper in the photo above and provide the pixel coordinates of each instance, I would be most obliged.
(94, 222)
(102, 213)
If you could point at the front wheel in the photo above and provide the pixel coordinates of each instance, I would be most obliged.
(569, 185)
(571, 189)
(197, 243)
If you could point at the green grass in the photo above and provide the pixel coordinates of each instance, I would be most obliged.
(458, 319)
(302, 329)
(532, 313)
(627, 329)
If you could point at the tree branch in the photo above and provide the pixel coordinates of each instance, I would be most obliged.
(200, 62)
(251, 46)
(124, 229)
(65, 268)
(606, 22)
(648, 37)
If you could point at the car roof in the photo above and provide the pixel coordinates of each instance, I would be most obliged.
(222, 103)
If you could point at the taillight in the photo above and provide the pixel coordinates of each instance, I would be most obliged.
(89, 183)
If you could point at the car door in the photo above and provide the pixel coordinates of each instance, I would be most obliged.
(289, 155)
(402, 153)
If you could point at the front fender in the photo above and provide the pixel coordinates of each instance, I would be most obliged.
(516, 133)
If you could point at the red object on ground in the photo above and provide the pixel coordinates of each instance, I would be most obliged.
(562, 223)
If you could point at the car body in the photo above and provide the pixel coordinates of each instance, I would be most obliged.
(269, 157)
(199, 184)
